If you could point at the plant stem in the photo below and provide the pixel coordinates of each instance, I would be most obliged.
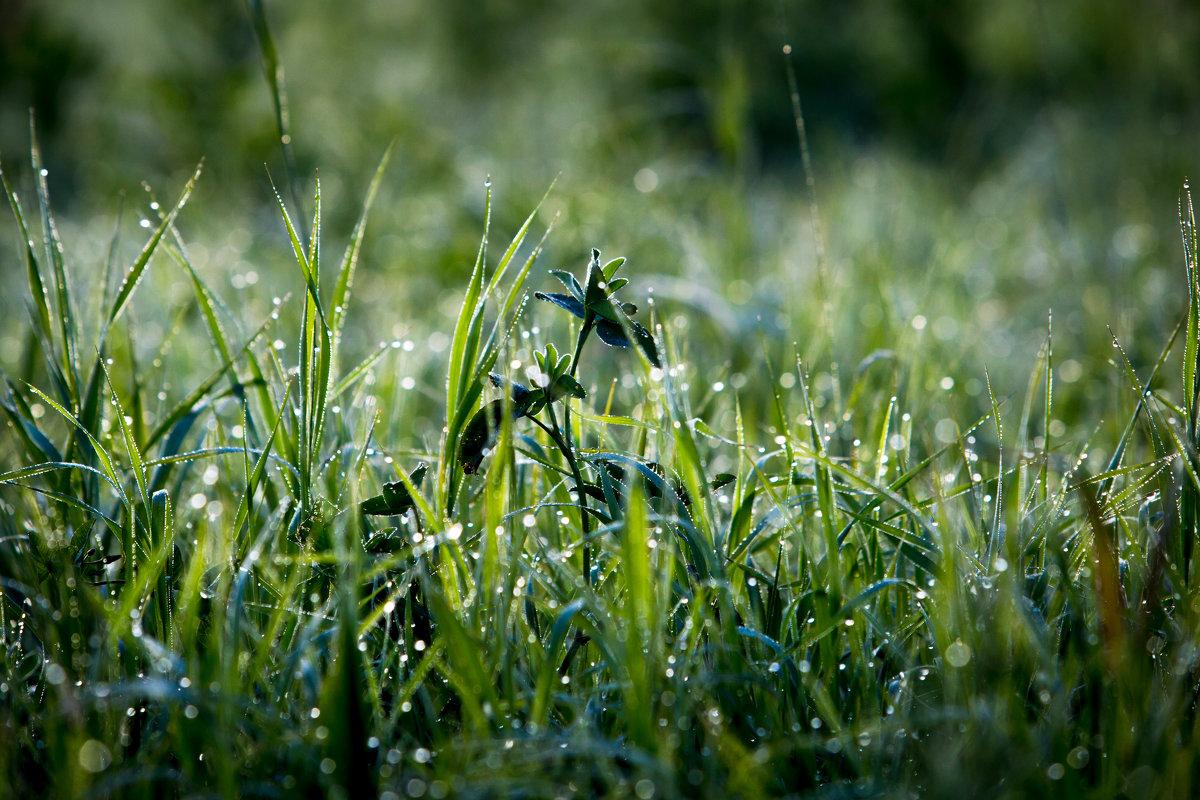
(564, 445)
(588, 321)
(580, 639)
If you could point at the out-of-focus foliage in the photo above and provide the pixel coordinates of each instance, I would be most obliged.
(136, 86)
(976, 164)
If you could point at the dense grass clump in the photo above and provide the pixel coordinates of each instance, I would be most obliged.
(610, 574)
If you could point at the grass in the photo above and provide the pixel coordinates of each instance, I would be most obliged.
(638, 553)
(194, 602)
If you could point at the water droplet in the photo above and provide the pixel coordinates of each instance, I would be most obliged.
(93, 755)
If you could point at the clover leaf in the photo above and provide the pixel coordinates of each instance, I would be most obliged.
(593, 303)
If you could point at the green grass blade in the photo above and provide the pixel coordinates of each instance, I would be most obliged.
(131, 447)
(273, 71)
(339, 303)
(54, 255)
(37, 283)
(255, 476)
(208, 301)
(202, 390)
(134, 275)
(106, 463)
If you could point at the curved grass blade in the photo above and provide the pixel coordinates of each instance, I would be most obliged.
(138, 269)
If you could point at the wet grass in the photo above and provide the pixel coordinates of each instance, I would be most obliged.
(833, 512)
(268, 574)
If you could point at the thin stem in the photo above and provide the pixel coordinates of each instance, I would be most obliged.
(588, 321)
(580, 639)
(552, 433)
(585, 521)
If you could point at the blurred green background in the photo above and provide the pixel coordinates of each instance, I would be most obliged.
(975, 165)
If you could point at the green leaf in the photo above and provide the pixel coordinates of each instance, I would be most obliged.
(563, 364)
(722, 479)
(396, 498)
(612, 334)
(594, 293)
(562, 301)
(479, 435)
(610, 269)
(565, 385)
(522, 397)
(570, 282)
(646, 343)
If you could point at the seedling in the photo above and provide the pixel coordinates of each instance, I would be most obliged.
(555, 376)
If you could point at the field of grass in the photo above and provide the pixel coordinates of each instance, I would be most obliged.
(883, 485)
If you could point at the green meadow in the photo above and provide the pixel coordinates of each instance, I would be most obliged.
(661, 400)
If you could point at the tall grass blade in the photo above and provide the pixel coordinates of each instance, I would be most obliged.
(273, 71)
(134, 275)
(37, 282)
(64, 310)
